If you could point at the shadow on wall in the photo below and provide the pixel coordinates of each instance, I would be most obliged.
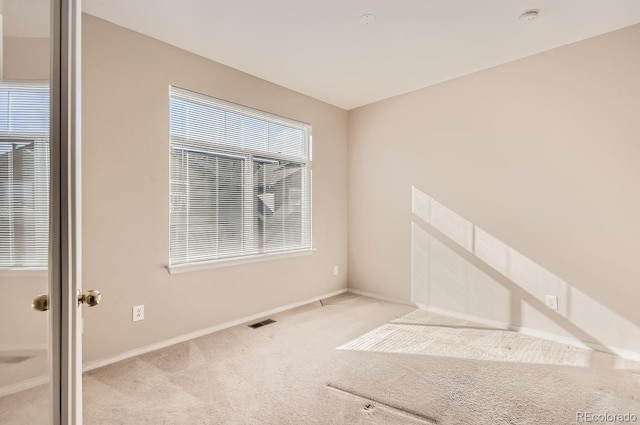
(461, 270)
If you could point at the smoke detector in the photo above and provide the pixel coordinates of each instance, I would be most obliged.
(367, 19)
(529, 16)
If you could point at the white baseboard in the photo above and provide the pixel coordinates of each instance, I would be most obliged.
(381, 297)
(192, 335)
(461, 316)
(574, 342)
(23, 385)
(40, 346)
(34, 382)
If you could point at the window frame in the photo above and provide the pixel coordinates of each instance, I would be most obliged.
(248, 156)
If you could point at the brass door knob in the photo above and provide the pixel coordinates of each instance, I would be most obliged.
(90, 298)
(41, 302)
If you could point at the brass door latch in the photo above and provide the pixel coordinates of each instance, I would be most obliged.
(90, 298)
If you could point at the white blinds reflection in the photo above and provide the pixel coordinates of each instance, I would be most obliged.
(24, 175)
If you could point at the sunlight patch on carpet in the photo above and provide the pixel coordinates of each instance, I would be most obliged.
(464, 343)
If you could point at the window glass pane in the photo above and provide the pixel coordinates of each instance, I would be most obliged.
(179, 206)
(200, 121)
(286, 140)
(254, 134)
(196, 122)
(234, 132)
(206, 206)
(278, 218)
(240, 182)
(229, 207)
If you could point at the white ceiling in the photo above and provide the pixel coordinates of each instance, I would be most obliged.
(319, 48)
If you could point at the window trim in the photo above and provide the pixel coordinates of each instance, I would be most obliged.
(235, 261)
(249, 155)
(24, 272)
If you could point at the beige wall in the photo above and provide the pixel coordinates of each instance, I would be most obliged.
(540, 154)
(21, 327)
(126, 78)
(25, 58)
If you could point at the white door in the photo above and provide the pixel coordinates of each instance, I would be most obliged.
(40, 279)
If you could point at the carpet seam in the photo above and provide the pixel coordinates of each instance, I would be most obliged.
(396, 409)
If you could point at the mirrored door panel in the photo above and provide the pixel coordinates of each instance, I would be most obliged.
(24, 211)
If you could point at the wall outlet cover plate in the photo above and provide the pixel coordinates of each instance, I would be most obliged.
(137, 313)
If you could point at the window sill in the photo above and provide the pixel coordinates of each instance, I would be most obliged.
(23, 273)
(182, 268)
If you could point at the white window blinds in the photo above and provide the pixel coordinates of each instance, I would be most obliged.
(24, 175)
(240, 181)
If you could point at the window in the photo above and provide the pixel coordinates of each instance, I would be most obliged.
(240, 181)
(24, 175)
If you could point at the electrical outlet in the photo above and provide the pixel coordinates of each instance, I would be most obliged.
(552, 301)
(335, 270)
(138, 313)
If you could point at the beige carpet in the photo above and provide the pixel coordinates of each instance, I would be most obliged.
(353, 361)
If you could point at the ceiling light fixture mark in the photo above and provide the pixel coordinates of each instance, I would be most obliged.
(367, 19)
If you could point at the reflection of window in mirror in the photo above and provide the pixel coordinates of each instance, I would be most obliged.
(24, 175)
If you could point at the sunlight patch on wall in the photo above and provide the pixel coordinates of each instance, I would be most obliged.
(420, 265)
(443, 279)
(442, 218)
(519, 269)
